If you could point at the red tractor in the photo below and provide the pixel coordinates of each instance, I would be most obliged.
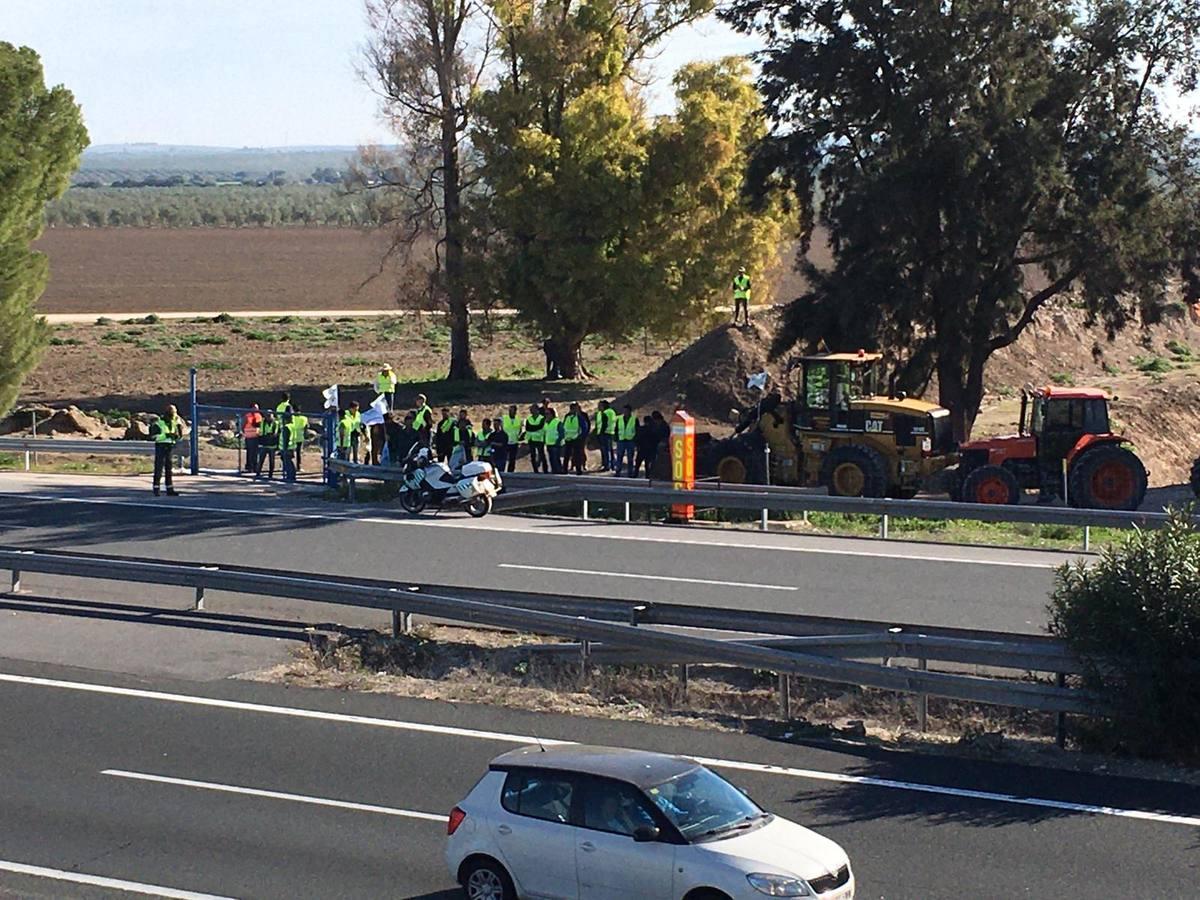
(1065, 445)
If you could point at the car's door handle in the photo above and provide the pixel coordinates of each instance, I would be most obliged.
(504, 829)
(587, 847)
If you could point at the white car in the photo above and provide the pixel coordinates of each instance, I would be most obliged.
(598, 823)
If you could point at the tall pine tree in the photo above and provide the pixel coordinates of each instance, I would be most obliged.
(41, 137)
(974, 159)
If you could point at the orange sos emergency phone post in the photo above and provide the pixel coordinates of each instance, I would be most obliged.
(683, 462)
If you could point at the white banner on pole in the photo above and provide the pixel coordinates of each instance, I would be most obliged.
(331, 397)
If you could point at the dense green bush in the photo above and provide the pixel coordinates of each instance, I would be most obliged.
(1134, 617)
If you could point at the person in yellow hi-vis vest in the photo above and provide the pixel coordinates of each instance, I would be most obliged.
(385, 384)
(166, 430)
(741, 295)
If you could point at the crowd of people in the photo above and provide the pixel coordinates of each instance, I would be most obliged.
(384, 435)
(555, 444)
(274, 436)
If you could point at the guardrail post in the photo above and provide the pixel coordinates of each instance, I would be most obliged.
(785, 696)
(401, 623)
(883, 526)
(585, 509)
(923, 701)
(198, 606)
(16, 581)
(33, 423)
(762, 521)
(683, 679)
(585, 659)
(26, 460)
(1060, 720)
(635, 613)
(1087, 538)
(350, 489)
(626, 510)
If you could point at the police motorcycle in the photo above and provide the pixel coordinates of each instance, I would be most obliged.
(428, 482)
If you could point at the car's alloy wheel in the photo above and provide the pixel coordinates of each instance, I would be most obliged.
(485, 884)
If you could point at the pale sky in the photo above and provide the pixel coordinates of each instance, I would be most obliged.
(238, 72)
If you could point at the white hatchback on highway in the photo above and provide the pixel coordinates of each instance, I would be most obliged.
(598, 823)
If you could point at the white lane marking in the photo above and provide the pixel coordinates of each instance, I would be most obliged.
(241, 706)
(812, 774)
(276, 795)
(115, 884)
(544, 532)
(745, 584)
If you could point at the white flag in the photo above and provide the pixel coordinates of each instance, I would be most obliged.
(758, 382)
(379, 404)
(331, 397)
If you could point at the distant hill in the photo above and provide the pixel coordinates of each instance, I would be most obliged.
(108, 163)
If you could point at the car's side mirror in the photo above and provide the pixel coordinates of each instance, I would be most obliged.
(645, 834)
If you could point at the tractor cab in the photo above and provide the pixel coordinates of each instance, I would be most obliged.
(1060, 418)
(829, 385)
(1065, 448)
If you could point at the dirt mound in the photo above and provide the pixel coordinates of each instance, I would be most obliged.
(709, 376)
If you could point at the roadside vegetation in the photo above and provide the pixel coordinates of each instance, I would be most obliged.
(1135, 616)
(506, 669)
(219, 206)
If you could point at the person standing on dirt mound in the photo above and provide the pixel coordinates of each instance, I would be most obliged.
(385, 384)
(741, 295)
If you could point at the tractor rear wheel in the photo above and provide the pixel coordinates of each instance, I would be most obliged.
(1196, 478)
(1107, 477)
(990, 484)
(855, 471)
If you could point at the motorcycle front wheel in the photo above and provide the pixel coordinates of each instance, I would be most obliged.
(479, 506)
(414, 501)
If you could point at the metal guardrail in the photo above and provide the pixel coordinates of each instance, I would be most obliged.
(552, 489)
(30, 446)
(813, 659)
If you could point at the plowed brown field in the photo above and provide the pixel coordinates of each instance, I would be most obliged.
(118, 270)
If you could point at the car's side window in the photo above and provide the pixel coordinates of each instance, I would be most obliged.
(614, 807)
(539, 795)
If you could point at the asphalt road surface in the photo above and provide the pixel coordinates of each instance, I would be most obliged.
(244, 524)
(236, 789)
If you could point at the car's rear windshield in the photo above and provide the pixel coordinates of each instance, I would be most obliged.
(702, 804)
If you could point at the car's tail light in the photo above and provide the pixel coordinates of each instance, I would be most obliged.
(456, 818)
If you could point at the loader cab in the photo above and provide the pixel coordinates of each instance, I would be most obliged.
(1059, 418)
(829, 383)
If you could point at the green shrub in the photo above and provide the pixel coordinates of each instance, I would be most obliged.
(1133, 617)
(1110, 369)
(1181, 351)
(356, 361)
(1152, 365)
(223, 319)
(201, 340)
(65, 342)
(104, 320)
(1064, 379)
(260, 336)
